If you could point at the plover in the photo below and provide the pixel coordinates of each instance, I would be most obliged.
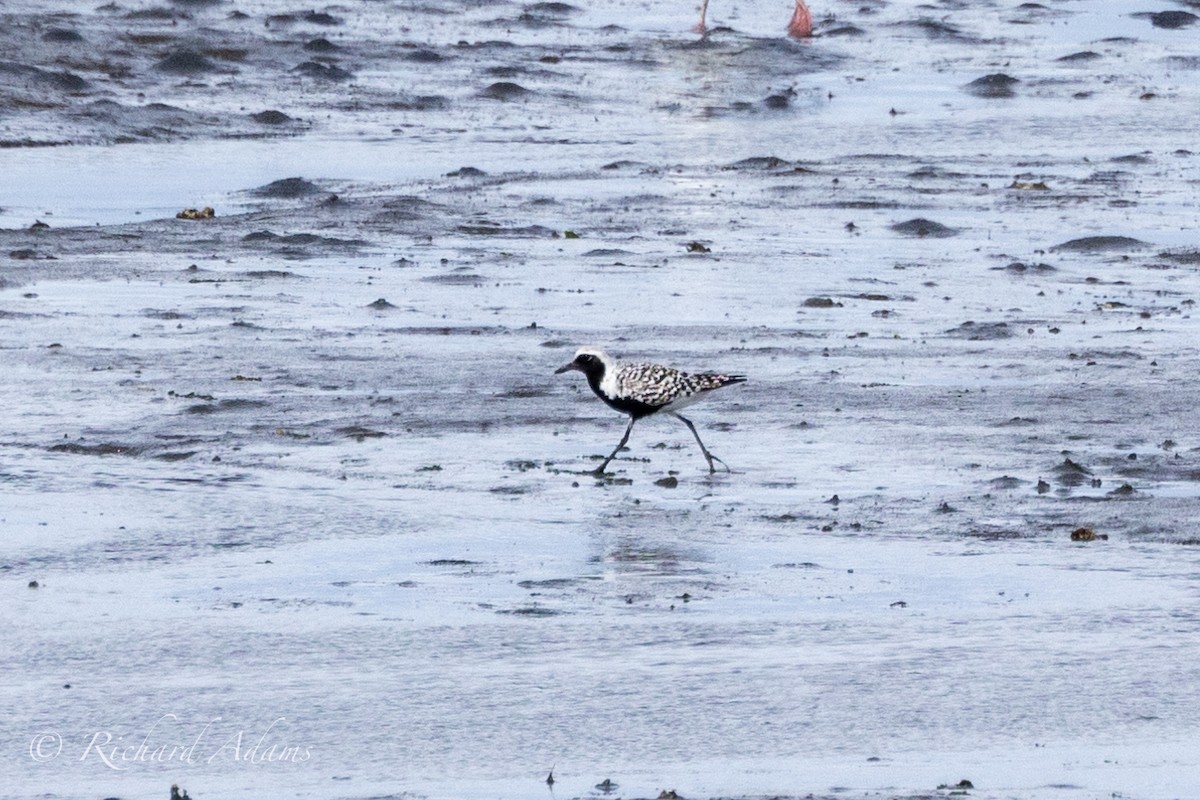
(640, 390)
(799, 27)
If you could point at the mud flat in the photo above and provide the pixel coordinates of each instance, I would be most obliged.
(291, 497)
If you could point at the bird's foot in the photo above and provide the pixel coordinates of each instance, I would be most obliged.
(700, 28)
(711, 458)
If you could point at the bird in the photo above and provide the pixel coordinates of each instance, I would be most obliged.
(799, 27)
(641, 390)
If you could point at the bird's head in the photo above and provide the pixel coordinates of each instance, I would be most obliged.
(591, 361)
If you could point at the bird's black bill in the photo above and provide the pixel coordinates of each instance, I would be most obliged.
(566, 368)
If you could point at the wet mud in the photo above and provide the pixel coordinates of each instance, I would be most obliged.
(304, 459)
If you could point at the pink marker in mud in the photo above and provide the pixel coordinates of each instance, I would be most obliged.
(799, 27)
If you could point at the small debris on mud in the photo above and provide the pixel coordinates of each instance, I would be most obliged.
(821, 302)
(1087, 535)
(961, 786)
(1037, 186)
(192, 213)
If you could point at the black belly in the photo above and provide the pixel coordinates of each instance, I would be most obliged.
(634, 408)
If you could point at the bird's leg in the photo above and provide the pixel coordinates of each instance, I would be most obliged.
(711, 458)
(700, 26)
(600, 469)
(800, 26)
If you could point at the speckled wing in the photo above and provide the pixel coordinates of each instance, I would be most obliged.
(665, 387)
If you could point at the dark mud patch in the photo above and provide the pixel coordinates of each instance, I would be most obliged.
(505, 91)
(981, 331)
(226, 405)
(272, 117)
(99, 449)
(524, 232)
(424, 56)
(186, 62)
(786, 518)
(1183, 257)
(552, 583)
(997, 85)
(1081, 57)
(608, 252)
(35, 78)
(937, 30)
(530, 611)
(287, 189)
(172, 456)
(323, 72)
(525, 392)
(1021, 268)
(844, 30)
(320, 45)
(1071, 473)
(1173, 20)
(821, 302)
(456, 279)
(511, 491)
(266, 274)
(1006, 483)
(359, 433)
(922, 228)
(62, 36)
(297, 245)
(758, 164)
(998, 534)
(1100, 244)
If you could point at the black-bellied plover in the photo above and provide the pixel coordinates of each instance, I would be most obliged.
(640, 390)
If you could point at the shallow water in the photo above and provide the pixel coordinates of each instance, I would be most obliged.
(347, 549)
